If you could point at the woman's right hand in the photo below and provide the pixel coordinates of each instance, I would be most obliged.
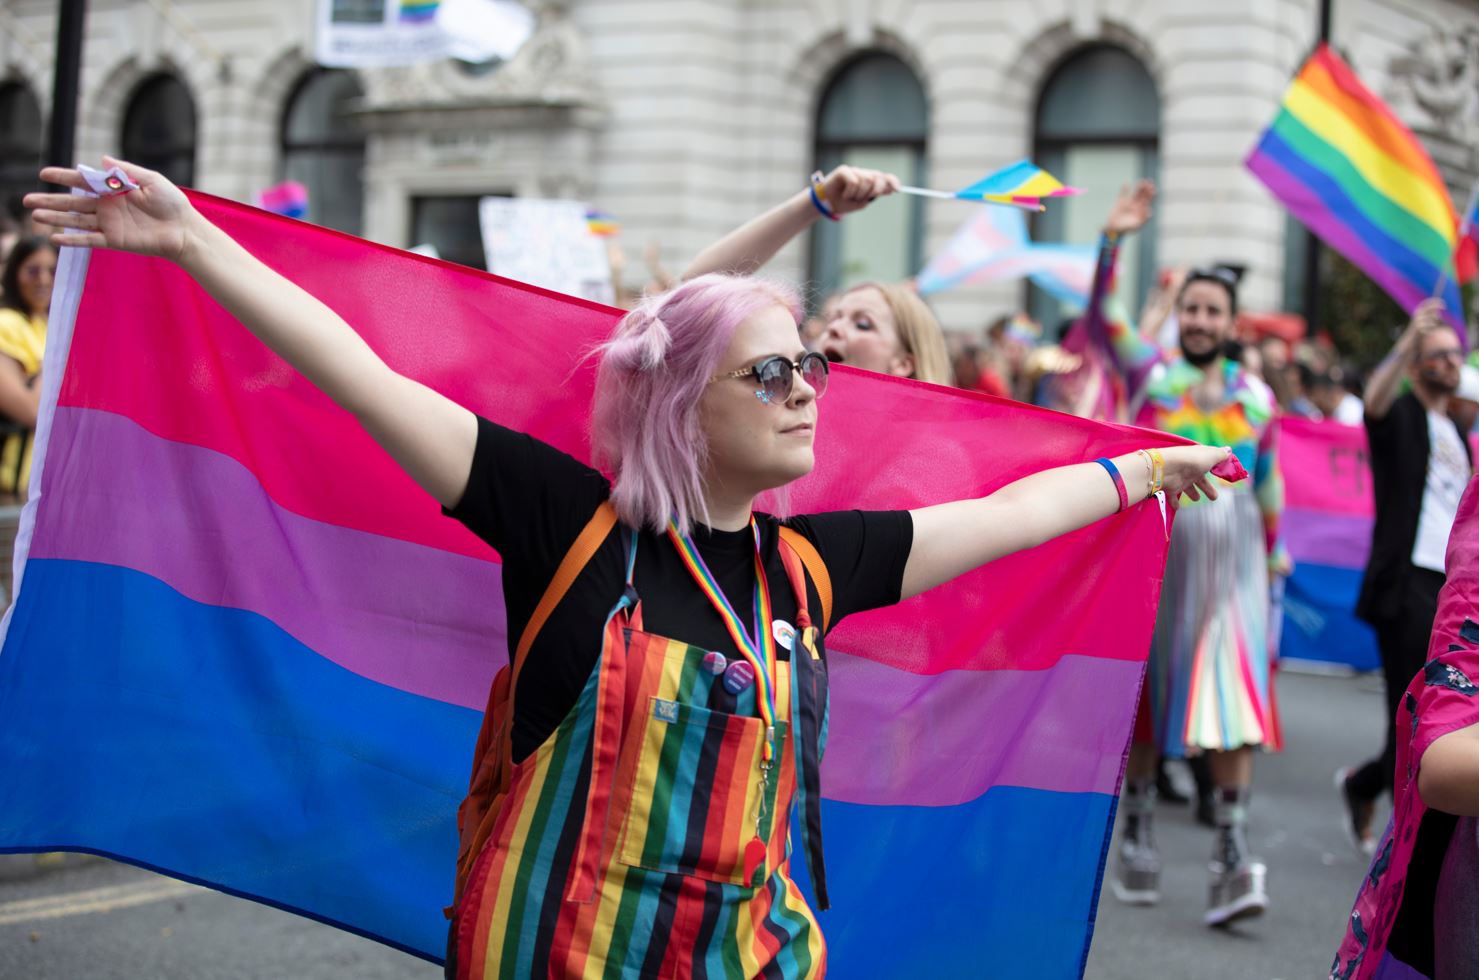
(152, 220)
(847, 189)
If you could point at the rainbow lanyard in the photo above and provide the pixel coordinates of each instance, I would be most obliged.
(762, 655)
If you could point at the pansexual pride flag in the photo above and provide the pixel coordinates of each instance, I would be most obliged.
(247, 651)
(1346, 167)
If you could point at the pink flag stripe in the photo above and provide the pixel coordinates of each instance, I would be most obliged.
(311, 456)
(1025, 628)
(915, 740)
(1324, 538)
(882, 442)
(1325, 467)
(405, 615)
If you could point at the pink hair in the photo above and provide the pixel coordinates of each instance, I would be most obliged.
(653, 371)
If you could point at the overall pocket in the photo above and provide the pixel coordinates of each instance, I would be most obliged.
(696, 792)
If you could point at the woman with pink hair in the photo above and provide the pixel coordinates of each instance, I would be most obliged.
(665, 713)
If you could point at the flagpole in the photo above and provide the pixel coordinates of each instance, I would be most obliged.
(62, 133)
(927, 192)
(1312, 312)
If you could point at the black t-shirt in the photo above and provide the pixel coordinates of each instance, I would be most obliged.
(529, 501)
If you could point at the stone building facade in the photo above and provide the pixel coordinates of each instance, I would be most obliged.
(684, 117)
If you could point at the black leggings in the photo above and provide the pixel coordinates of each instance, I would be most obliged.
(1403, 642)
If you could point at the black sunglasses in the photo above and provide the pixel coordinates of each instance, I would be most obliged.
(776, 376)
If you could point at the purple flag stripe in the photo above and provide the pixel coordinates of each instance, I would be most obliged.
(425, 621)
(915, 739)
(1310, 209)
(1340, 540)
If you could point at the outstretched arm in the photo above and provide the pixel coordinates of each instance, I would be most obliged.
(951, 539)
(430, 436)
(754, 243)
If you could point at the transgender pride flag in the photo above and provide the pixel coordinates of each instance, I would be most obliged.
(247, 651)
(993, 246)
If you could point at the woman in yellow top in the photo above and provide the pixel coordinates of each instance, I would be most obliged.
(25, 298)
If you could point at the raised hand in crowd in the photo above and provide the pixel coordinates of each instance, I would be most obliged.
(1385, 382)
(1131, 210)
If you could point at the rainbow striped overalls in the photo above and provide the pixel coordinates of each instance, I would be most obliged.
(619, 850)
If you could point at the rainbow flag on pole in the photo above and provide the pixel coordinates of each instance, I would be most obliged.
(1351, 172)
(247, 651)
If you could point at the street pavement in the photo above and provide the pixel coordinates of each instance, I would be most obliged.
(98, 919)
(1294, 825)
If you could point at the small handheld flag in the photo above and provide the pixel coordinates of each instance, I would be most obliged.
(1466, 255)
(1023, 184)
(289, 199)
(601, 224)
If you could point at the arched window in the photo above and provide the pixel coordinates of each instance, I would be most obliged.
(159, 128)
(21, 139)
(323, 148)
(872, 113)
(1098, 127)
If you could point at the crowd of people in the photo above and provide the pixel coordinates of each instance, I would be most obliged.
(743, 387)
(28, 262)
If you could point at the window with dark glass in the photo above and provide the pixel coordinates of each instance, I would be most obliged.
(1098, 128)
(323, 148)
(21, 137)
(872, 113)
(450, 225)
(159, 128)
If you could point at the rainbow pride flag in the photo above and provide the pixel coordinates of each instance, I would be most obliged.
(993, 246)
(419, 11)
(247, 651)
(1351, 172)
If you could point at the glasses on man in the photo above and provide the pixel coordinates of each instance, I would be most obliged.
(1446, 354)
(775, 376)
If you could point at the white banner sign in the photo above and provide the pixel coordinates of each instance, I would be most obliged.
(383, 33)
(545, 243)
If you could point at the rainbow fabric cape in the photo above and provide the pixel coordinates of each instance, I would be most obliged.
(247, 651)
(993, 245)
(1353, 174)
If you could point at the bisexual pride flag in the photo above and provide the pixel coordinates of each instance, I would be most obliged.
(247, 651)
(1328, 513)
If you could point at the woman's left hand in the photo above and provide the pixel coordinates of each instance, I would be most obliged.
(1187, 471)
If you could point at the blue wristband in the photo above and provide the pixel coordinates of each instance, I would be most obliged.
(1119, 481)
(816, 200)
